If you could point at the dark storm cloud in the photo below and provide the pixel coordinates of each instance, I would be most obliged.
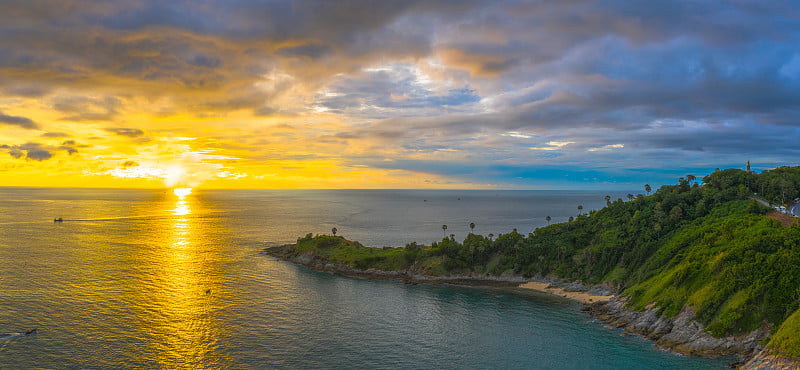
(23, 122)
(129, 132)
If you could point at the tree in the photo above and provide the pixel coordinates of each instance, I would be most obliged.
(491, 236)
(608, 199)
(571, 218)
(444, 230)
(690, 178)
(580, 208)
(471, 227)
(548, 218)
(630, 196)
(334, 230)
(647, 188)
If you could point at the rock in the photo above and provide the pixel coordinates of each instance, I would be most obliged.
(766, 359)
(681, 334)
(598, 290)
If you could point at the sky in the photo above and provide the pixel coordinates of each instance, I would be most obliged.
(462, 94)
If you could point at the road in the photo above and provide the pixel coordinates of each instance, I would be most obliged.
(793, 209)
(762, 202)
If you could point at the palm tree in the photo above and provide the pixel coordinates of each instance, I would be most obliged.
(690, 178)
(608, 199)
(580, 208)
(334, 230)
(491, 236)
(444, 230)
(647, 188)
(471, 227)
(630, 196)
(548, 218)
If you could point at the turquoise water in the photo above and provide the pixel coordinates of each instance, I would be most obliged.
(136, 278)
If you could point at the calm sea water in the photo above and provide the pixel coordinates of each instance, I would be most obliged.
(139, 278)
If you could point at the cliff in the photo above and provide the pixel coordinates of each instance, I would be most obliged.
(681, 334)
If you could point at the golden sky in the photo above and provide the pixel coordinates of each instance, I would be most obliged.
(407, 94)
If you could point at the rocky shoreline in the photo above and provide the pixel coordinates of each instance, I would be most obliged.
(766, 359)
(680, 334)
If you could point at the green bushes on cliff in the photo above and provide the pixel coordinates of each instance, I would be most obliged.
(337, 249)
(709, 248)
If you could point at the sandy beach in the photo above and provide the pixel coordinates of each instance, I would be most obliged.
(578, 296)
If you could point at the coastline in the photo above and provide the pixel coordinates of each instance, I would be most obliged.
(573, 291)
(681, 334)
(584, 297)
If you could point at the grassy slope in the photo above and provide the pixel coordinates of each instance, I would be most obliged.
(734, 269)
(786, 339)
(707, 247)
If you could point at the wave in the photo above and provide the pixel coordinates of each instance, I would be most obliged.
(10, 336)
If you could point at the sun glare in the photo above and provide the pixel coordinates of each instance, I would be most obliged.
(182, 192)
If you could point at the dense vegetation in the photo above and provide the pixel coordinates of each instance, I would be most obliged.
(710, 247)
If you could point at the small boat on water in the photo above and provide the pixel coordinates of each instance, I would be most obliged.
(9, 336)
(58, 219)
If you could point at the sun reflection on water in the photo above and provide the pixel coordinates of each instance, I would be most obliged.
(186, 329)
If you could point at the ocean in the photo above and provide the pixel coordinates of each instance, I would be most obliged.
(150, 279)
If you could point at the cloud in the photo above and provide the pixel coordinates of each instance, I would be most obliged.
(624, 84)
(394, 90)
(313, 51)
(23, 122)
(554, 145)
(607, 147)
(128, 132)
(39, 155)
(85, 108)
(38, 151)
(56, 134)
(30, 150)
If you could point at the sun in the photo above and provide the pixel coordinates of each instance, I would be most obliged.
(182, 192)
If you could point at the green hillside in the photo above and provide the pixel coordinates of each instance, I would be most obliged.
(710, 246)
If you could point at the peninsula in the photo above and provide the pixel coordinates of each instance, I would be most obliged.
(700, 268)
